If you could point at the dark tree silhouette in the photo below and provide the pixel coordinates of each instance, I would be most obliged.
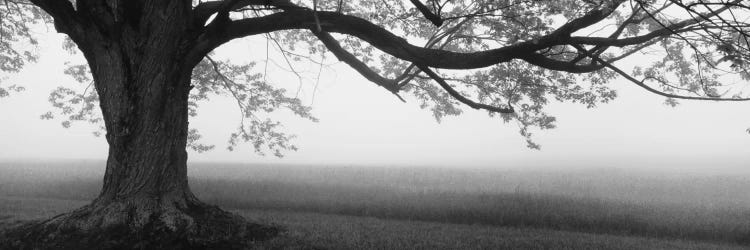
(149, 63)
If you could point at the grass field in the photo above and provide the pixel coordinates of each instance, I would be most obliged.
(378, 208)
(305, 230)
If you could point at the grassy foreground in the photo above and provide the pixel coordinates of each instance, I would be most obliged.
(306, 230)
(569, 205)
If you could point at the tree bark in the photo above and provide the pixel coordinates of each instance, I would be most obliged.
(145, 202)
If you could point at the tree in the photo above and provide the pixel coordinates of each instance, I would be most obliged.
(150, 63)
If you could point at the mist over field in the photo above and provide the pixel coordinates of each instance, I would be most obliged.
(707, 189)
(708, 206)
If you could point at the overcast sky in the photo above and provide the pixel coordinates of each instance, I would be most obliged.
(361, 124)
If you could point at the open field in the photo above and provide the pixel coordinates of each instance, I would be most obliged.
(340, 207)
(306, 230)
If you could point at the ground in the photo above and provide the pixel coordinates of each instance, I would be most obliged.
(304, 230)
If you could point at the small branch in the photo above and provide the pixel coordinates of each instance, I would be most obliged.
(224, 81)
(288, 63)
(460, 97)
(666, 30)
(315, 13)
(641, 84)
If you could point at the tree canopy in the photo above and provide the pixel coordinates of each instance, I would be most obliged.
(508, 57)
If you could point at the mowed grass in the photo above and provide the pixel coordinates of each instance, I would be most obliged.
(305, 230)
(417, 198)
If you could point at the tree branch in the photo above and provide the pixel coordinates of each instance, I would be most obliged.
(664, 31)
(435, 19)
(302, 18)
(380, 38)
(64, 15)
(203, 11)
(548, 63)
(641, 84)
(346, 57)
(460, 97)
(590, 18)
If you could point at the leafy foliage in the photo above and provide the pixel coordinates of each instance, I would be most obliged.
(17, 42)
(698, 61)
(474, 26)
(697, 50)
(255, 98)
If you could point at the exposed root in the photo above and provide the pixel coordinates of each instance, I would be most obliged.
(139, 224)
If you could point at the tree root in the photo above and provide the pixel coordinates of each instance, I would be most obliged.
(143, 224)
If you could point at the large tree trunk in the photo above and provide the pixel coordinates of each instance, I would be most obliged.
(145, 202)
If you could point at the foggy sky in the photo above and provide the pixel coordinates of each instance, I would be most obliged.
(362, 124)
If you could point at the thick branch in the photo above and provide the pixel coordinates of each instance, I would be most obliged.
(356, 64)
(64, 15)
(301, 18)
(380, 38)
(548, 63)
(434, 19)
(205, 10)
(590, 18)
